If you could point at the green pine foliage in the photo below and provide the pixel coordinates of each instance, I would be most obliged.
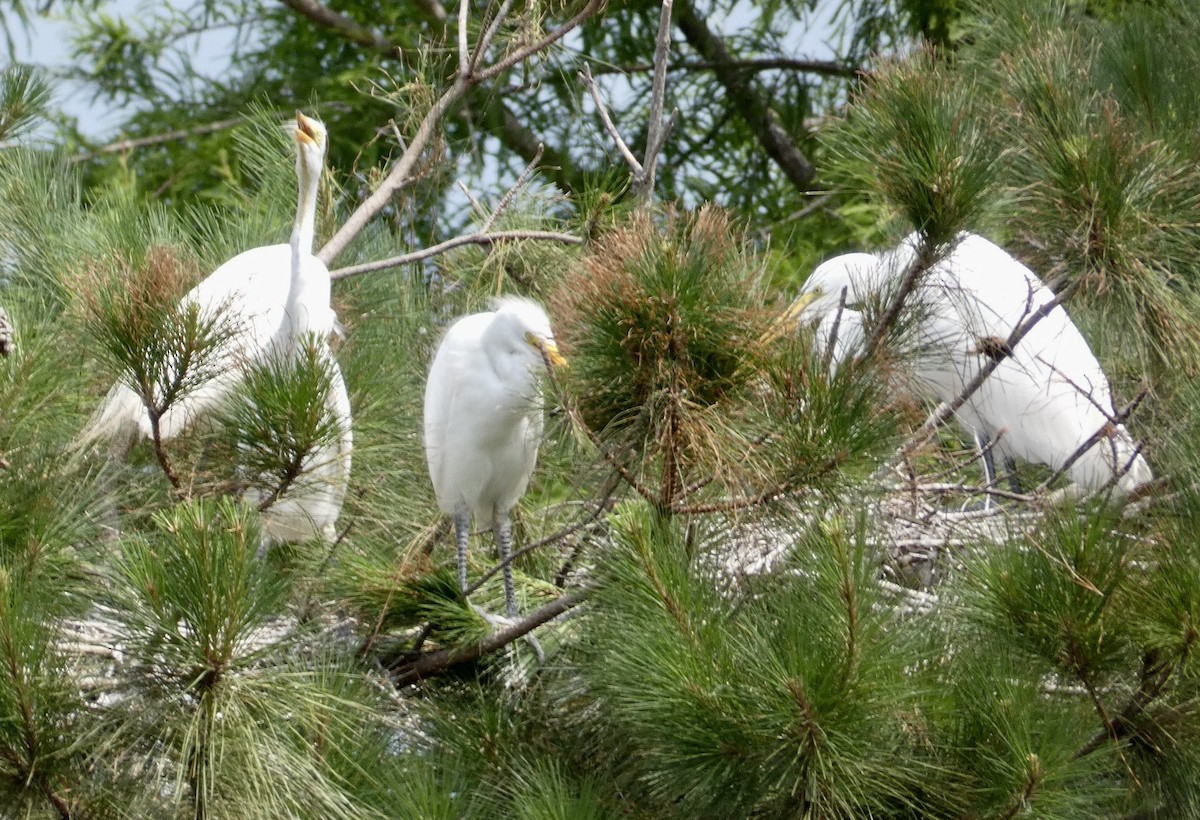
(153, 663)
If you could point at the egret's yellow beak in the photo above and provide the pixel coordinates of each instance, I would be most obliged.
(307, 130)
(551, 351)
(790, 317)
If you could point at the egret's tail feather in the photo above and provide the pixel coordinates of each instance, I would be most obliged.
(121, 420)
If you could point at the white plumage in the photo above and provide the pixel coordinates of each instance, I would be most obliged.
(483, 419)
(1047, 396)
(266, 300)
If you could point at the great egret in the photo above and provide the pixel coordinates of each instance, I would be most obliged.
(483, 420)
(267, 299)
(1047, 397)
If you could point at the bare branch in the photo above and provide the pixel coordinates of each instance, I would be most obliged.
(773, 137)
(826, 68)
(657, 131)
(1094, 439)
(464, 55)
(346, 27)
(587, 521)
(505, 200)
(831, 343)
(480, 238)
(602, 110)
(489, 34)
(524, 53)
(476, 205)
(947, 409)
(463, 82)
(155, 139)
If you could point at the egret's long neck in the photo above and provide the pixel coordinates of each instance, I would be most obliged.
(298, 305)
(306, 214)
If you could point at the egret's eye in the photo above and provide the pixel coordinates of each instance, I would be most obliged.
(533, 340)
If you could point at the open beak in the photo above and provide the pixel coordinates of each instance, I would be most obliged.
(306, 130)
(791, 316)
(550, 351)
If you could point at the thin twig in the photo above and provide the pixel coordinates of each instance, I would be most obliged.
(175, 135)
(524, 53)
(570, 529)
(634, 166)
(826, 68)
(464, 81)
(947, 409)
(1093, 439)
(469, 239)
(827, 359)
(476, 205)
(507, 199)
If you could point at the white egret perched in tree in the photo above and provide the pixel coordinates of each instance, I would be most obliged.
(266, 300)
(1047, 397)
(483, 420)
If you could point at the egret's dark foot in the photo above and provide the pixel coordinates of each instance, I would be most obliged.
(983, 504)
(499, 622)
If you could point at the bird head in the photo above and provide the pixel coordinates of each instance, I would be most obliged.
(534, 326)
(311, 142)
(547, 348)
(848, 277)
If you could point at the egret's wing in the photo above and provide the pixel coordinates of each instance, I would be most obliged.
(247, 295)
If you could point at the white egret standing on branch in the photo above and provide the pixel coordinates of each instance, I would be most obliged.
(483, 420)
(1047, 397)
(266, 298)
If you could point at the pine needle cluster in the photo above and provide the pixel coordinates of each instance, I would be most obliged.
(678, 377)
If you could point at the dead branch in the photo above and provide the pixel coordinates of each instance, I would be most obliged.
(947, 409)
(468, 76)
(657, 130)
(458, 241)
(762, 121)
(635, 166)
(346, 27)
(823, 68)
(134, 143)
(507, 199)
(586, 522)
(1093, 439)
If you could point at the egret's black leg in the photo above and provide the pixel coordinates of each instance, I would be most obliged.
(503, 532)
(462, 529)
(1014, 483)
(989, 467)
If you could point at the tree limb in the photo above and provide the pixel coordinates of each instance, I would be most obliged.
(656, 129)
(825, 68)
(481, 238)
(463, 82)
(635, 166)
(134, 143)
(443, 659)
(736, 81)
(345, 27)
